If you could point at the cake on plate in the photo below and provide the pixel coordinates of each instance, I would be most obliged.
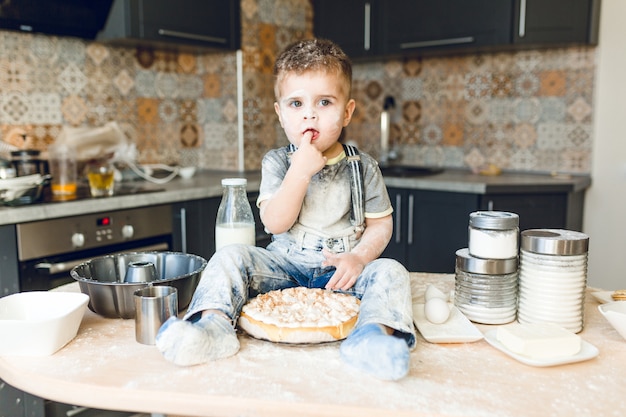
(300, 315)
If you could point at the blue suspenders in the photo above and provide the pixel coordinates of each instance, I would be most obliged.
(357, 216)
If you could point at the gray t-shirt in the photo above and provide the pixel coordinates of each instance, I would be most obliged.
(328, 203)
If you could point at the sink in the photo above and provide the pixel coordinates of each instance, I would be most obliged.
(409, 171)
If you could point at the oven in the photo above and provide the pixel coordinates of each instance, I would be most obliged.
(48, 249)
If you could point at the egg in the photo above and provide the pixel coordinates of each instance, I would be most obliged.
(434, 292)
(436, 310)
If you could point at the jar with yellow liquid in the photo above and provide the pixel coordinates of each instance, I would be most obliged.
(62, 165)
(101, 176)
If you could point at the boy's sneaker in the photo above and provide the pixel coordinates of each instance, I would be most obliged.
(370, 349)
(185, 343)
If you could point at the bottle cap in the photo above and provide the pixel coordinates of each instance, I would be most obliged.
(555, 242)
(234, 181)
(495, 220)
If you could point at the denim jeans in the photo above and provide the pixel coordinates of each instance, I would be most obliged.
(236, 273)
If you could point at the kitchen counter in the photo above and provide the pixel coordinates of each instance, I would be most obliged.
(202, 185)
(463, 181)
(208, 184)
(105, 367)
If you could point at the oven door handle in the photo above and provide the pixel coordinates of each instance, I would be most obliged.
(56, 268)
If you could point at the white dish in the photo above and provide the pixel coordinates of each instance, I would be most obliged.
(457, 329)
(20, 182)
(587, 351)
(615, 313)
(603, 296)
(38, 323)
(186, 172)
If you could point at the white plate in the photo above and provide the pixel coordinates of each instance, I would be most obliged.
(457, 329)
(587, 351)
(603, 296)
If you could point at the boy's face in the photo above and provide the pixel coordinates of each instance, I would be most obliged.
(316, 102)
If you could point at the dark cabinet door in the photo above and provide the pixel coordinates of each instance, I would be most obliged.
(543, 22)
(440, 229)
(194, 227)
(352, 24)
(410, 25)
(199, 23)
(9, 268)
(429, 227)
(536, 211)
(397, 246)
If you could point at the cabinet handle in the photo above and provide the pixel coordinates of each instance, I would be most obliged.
(410, 221)
(490, 205)
(367, 33)
(183, 230)
(522, 19)
(437, 42)
(194, 36)
(398, 218)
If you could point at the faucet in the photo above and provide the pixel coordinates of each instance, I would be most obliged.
(385, 154)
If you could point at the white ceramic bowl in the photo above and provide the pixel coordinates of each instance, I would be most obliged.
(39, 323)
(186, 172)
(615, 313)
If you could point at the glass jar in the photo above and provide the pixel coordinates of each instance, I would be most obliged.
(101, 177)
(486, 290)
(27, 162)
(62, 165)
(493, 234)
(235, 222)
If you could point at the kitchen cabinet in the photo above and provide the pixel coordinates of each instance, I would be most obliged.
(194, 226)
(9, 282)
(409, 25)
(403, 27)
(183, 24)
(544, 22)
(430, 226)
(353, 24)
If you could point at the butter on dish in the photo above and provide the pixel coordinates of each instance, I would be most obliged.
(539, 340)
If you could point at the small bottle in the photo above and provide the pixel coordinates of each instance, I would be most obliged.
(235, 222)
(493, 234)
(62, 162)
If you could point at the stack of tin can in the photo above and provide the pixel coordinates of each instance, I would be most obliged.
(486, 272)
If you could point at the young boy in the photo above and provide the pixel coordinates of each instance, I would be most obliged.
(305, 202)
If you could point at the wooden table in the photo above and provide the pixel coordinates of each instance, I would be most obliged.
(104, 367)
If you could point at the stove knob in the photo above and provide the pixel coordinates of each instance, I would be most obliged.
(128, 231)
(78, 240)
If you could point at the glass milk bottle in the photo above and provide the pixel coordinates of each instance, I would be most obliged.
(235, 222)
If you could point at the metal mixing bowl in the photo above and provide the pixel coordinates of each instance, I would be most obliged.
(110, 291)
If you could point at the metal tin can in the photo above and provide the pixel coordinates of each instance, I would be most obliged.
(486, 290)
(553, 277)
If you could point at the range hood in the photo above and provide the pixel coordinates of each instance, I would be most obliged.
(77, 18)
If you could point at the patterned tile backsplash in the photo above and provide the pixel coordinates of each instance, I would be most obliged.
(521, 111)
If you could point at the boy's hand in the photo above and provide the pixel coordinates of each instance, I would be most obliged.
(348, 268)
(307, 159)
